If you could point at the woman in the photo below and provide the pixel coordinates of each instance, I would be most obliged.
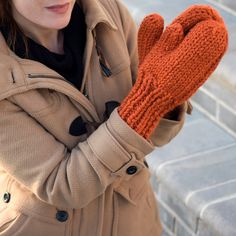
(70, 163)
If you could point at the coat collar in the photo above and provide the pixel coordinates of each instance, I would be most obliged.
(96, 13)
(16, 67)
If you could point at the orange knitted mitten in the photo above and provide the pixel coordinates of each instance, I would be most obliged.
(186, 54)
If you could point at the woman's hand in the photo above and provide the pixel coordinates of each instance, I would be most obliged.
(181, 60)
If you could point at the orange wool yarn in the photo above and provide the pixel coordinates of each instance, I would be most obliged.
(174, 67)
(149, 33)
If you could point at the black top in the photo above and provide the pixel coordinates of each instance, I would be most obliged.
(70, 64)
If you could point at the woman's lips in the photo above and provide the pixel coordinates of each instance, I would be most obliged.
(60, 9)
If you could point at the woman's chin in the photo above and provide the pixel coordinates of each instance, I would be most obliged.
(57, 24)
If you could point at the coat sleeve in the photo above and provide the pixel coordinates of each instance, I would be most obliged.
(167, 129)
(63, 178)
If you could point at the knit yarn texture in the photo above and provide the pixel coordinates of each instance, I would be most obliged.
(173, 64)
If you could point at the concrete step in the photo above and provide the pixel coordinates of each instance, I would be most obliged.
(231, 4)
(194, 180)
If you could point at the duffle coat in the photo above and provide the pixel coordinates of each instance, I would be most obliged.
(66, 167)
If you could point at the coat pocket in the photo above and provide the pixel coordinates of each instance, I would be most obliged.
(23, 214)
(139, 219)
(16, 223)
(135, 209)
(10, 221)
(133, 188)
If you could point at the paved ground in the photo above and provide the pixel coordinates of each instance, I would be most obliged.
(194, 176)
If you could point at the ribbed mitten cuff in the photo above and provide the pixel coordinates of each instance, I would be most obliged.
(144, 106)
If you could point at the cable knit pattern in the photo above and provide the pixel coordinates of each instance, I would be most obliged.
(186, 54)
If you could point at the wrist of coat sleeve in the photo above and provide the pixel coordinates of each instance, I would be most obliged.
(167, 129)
(125, 149)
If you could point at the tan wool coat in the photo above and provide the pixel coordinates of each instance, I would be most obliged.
(65, 168)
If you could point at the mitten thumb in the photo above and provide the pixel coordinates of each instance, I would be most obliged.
(149, 33)
(171, 38)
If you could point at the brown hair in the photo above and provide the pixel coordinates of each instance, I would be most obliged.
(6, 18)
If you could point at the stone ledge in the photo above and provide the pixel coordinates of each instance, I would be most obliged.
(217, 99)
(228, 3)
(194, 178)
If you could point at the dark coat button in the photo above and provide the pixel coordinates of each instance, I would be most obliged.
(77, 127)
(62, 216)
(131, 170)
(6, 197)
